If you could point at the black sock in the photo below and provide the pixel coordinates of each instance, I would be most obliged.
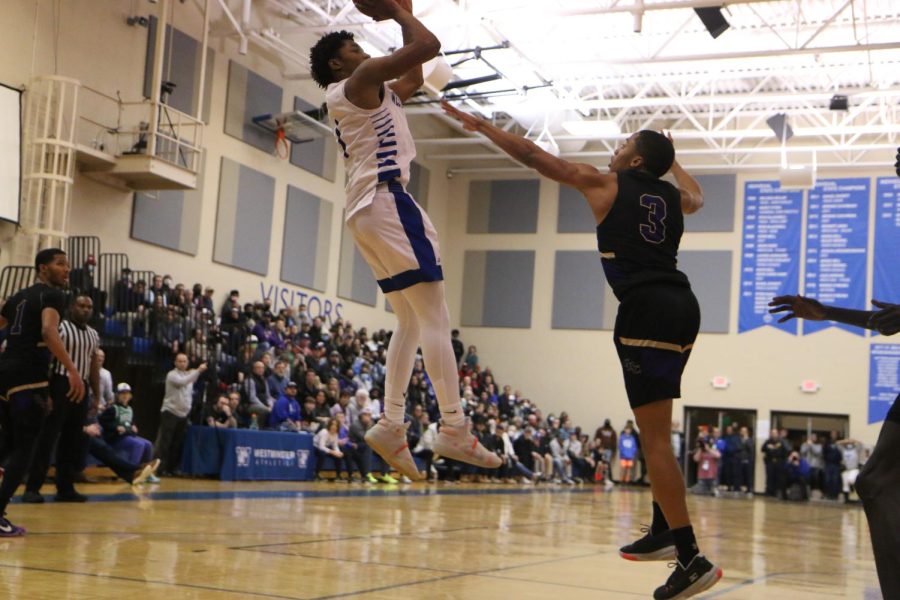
(659, 523)
(685, 544)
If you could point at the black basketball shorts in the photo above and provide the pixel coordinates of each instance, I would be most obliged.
(656, 327)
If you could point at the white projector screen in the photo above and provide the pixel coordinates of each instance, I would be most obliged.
(10, 152)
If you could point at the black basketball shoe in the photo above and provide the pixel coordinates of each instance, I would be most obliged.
(684, 582)
(650, 547)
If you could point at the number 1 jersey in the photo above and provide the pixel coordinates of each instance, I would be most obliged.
(638, 240)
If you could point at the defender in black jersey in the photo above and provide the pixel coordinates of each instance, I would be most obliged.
(639, 227)
(32, 316)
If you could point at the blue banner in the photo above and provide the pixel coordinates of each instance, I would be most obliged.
(770, 256)
(837, 237)
(884, 379)
(886, 283)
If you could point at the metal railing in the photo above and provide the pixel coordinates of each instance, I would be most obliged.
(143, 127)
(14, 278)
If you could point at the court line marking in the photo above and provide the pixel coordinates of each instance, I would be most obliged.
(302, 494)
(149, 581)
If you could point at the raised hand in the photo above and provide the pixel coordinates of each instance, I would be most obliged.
(797, 307)
(886, 320)
(469, 122)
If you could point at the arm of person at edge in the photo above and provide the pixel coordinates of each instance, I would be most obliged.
(50, 333)
(885, 320)
(363, 87)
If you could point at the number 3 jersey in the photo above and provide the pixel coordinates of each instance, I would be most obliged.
(638, 240)
(376, 143)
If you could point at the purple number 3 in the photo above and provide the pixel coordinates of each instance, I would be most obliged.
(654, 231)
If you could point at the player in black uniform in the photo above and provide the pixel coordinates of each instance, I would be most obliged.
(33, 317)
(639, 227)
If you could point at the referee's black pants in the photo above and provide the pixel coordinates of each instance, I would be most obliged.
(23, 414)
(64, 427)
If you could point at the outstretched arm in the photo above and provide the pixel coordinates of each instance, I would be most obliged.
(886, 320)
(583, 177)
(420, 45)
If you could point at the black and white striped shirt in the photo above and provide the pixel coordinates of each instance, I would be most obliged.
(81, 344)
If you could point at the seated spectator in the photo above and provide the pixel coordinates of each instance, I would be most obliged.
(471, 359)
(706, 455)
(512, 466)
(221, 415)
(120, 432)
(366, 402)
(558, 461)
(582, 470)
(242, 419)
(258, 398)
(278, 380)
(327, 443)
(321, 412)
(310, 386)
(285, 415)
(360, 454)
(107, 397)
(526, 449)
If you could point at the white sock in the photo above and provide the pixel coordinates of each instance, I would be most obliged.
(427, 301)
(401, 356)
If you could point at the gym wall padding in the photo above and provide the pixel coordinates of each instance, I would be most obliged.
(503, 206)
(244, 218)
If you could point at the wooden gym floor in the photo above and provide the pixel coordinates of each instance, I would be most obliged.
(230, 541)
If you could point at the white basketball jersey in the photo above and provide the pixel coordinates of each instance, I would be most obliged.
(376, 143)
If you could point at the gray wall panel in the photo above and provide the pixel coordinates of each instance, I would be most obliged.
(573, 214)
(710, 275)
(717, 214)
(479, 207)
(365, 288)
(578, 290)
(157, 217)
(301, 238)
(250, 95)
(514, 206)
(508, 289)
(253, 233)
(472, 312)
(355, 279)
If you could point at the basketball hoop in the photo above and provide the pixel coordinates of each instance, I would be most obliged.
(294, 127)
(282, 150)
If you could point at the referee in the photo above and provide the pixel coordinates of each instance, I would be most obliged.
(66, 419)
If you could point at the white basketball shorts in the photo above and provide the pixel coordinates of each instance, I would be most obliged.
(397, 239)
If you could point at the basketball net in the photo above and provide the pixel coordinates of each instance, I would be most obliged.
(281, 146)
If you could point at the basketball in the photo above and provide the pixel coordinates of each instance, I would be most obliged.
(363, 7)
